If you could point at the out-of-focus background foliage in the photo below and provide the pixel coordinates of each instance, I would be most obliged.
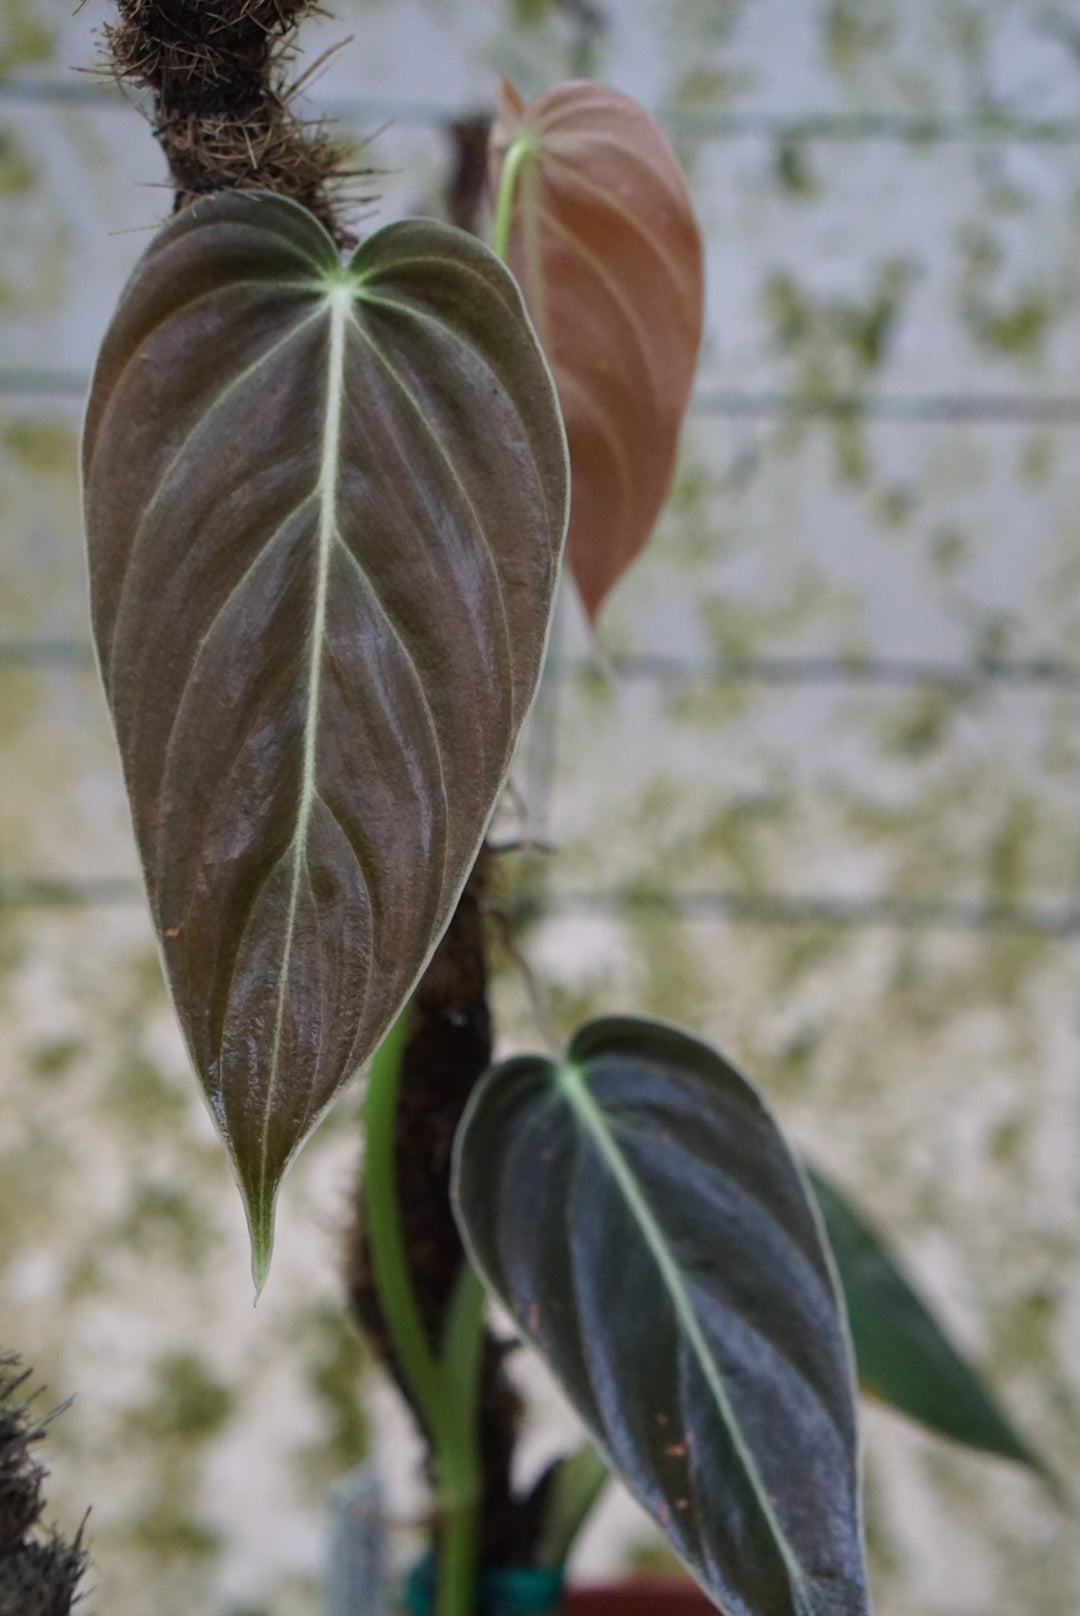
(823, 808)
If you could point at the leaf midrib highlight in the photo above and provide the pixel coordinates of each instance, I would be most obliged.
(575, 1090)
(338, 300)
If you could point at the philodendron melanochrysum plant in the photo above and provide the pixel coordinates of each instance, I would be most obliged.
(326, 500)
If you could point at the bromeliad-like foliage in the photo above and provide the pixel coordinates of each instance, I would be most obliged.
(596, 222)
(637, 1209)
(325, 504)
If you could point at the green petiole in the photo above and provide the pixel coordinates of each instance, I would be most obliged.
(524, 146)
(444, 1387)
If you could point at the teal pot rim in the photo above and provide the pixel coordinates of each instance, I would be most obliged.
(502, 1591)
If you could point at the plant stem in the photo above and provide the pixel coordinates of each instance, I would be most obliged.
(520, 148)
(457, 1449)
(445, 1388)
(222, 113)
(388, 1257)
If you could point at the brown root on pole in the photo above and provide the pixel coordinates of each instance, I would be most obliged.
(219, 77)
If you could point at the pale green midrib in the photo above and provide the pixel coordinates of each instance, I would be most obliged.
(396, 632)
(576, 1092)
(338, 303)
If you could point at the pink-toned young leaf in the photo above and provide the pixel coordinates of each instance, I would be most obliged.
(324, 504)
(603, 241)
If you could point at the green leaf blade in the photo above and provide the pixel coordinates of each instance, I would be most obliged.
(640, 1215)
(324, 506)
(903, 1354)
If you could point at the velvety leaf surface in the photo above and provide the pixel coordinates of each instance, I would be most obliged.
(604, 242)
(324, 506)
(902, 1353)
(639, 1212)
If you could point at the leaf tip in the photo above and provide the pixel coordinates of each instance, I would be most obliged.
(508, 103)
(260, 1216)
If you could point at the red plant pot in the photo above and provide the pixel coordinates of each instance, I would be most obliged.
(641, 1597)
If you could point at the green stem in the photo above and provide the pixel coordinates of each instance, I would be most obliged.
(520, 148)
(389, 1260)
(457, 1449)
(446, 1388)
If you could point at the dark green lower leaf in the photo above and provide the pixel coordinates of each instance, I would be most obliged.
(902, 1353)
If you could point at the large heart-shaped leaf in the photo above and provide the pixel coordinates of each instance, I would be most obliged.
(638, 1211)
(603, 239)
(902, 1353)
(324, 504)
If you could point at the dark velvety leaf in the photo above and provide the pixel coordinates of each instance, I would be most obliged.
(902, 1354)
(640, 1214)
(604, 242)
(324, 505)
